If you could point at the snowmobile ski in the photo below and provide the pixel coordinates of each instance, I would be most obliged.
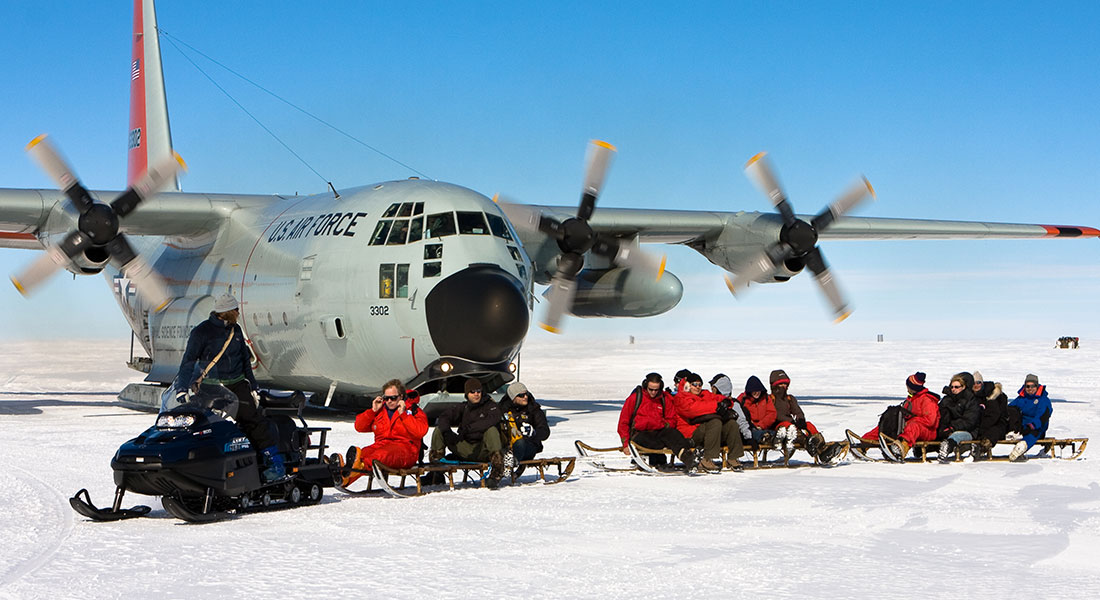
(180, 510)
(82, 503)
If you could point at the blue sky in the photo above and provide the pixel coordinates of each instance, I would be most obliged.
(971, 111)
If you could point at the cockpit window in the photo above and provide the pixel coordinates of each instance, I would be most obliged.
(398, 233)
(418, 209)
(499, 229)
(391, 211)
(380, 232)
(416, 229)
(439, 225)
(472, 222)
(406, 210)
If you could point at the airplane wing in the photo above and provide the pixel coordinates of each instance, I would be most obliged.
(26, 216)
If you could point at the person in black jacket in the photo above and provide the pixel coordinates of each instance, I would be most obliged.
(960, 414)
(525, 424)
(470, 431)
(994, 422)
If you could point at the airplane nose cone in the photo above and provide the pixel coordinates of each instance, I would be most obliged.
(479, 314)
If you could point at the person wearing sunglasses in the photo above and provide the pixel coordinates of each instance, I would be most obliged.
(649, 418)
(470, 431)
(525, 424)
(1035, 410)
(960, 414)
(700, 421)
(398, 426)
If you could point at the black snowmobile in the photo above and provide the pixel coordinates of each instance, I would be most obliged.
(205, 469)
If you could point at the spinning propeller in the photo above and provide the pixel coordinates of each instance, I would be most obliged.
(797, 238)
(575, 238)
(97, 226)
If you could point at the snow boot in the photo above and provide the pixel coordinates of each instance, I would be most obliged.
(276, 468)
(815, 445)
(709, 466)
(734, 465)
(496, 470)
(1017, 454)
(353, 467)
(436, 455)
(947, 449)
(690, 457)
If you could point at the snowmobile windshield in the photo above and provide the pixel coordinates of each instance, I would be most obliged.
(216, 398)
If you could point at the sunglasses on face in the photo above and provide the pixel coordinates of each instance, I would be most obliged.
(1030, 385)
(475, 391)
(652, 390)
(696, 384)
(391, 398)
(956, 386)
(523, 395)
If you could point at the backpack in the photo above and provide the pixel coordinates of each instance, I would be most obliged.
(892, 421)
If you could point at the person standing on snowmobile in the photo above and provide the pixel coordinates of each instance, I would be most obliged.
(398, 425)
(217, 354)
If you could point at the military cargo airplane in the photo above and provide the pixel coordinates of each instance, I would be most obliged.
(424, 280)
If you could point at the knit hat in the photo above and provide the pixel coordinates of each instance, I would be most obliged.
(915, 382)
(682, 374)
(754, 385)
(471, 385)
(225, 303)
(779, 376)
(722, 384)
(516, 389)
(978, 377)
(1031, 378)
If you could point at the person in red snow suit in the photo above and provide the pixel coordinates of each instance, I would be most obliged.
(649, 418)
(700, 421)
(923, 409)
(760, 409)
(398, 426)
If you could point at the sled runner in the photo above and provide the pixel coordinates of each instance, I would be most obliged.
(600, 457)
(448, 471)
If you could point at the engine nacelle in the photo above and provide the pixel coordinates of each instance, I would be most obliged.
(89, 262)
(622, 292)
(790, 268)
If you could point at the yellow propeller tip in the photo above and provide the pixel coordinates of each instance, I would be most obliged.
(496, 198)
(179, 159)
(870, 189)
(729, 284)
(843, 316)
(18, 286)
(754, 159)
(604, 144)
(35, 141)
(661, 269)
(549, 328)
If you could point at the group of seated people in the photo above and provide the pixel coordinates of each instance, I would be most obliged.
(969, 409)
(695, 423)
(478, 429)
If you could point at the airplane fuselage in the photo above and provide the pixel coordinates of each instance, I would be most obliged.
(379, 283)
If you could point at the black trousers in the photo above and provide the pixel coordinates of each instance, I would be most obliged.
(668, 437)
(258, 428)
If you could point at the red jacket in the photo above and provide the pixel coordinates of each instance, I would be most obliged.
(926, 416)
(402, 427)
(761, 412)
(653, 413)
(689, 406)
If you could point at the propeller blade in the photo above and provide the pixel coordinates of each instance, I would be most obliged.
(629, 254)
(559, 299)
(815, 261)
(55, 258)
(597, 163)
(44, 153)
(853, 196)
(155, 177)
(760, 265)
(760, 172)
(150, 285)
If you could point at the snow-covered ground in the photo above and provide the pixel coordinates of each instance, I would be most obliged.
(872, 530)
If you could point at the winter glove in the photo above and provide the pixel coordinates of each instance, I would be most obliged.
(451, 438)
(527, 430)
(800, 422)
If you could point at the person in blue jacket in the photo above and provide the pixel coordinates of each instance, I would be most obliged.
(217, 347)
(1035, 411)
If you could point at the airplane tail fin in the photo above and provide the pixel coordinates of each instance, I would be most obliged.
(150, 135)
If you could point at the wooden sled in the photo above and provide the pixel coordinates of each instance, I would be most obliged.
(378, 477)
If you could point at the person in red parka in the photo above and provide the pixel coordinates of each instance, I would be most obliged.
(700, 421)
(923, 410)
(649, 418)
(398, 426)
(761, 410)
